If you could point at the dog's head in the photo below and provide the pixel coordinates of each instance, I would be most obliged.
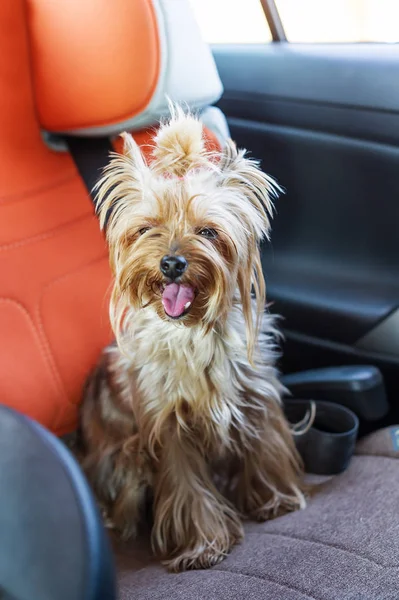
(184, 230)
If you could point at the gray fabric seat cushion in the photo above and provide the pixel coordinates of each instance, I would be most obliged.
(344, 546)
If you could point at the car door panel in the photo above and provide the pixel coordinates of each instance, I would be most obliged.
(324, 120)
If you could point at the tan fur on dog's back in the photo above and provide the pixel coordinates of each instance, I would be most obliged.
(176, 399)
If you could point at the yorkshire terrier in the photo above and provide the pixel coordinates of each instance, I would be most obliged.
(186, 404)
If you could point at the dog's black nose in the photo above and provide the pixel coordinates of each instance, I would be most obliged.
(173, 266)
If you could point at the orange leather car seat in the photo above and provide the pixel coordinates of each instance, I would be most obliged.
(82, 67)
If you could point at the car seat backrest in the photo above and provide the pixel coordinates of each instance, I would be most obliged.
(88, 68)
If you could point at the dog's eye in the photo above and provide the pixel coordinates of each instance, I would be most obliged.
(144, 230)
(208, 233)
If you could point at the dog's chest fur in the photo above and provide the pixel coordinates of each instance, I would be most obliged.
(196, 381)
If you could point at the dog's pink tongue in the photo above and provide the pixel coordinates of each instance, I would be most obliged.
(175, 298)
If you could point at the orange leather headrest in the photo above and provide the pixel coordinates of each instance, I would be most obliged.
(102, 66)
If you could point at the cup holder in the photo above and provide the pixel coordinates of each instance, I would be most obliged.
(327, 445)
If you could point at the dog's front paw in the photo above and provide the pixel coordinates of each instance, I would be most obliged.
(206, 554)
(277, 505)
(197, 558)
(207, 538)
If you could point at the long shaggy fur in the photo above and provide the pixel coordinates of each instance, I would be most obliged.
(189, 409)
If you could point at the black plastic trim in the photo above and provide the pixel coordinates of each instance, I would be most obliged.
(360, 388)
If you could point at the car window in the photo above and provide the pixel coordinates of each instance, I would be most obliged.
(306, 21)
(232, 21)
(340, 20)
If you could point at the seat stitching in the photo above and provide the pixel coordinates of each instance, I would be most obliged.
(40, 335)
(98, 259)
(39, 338)
(293, 588)
(39, 317)
(46, 235)
(26, 195)
(49, 284)
(50, 359)
(327, 545)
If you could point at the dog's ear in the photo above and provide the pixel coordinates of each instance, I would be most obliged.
(121, 184)
(255, 189)
(132, 151)
(244, 175)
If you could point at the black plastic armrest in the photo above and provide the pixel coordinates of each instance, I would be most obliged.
(359, 388)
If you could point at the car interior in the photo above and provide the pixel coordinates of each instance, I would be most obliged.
(323, 119)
